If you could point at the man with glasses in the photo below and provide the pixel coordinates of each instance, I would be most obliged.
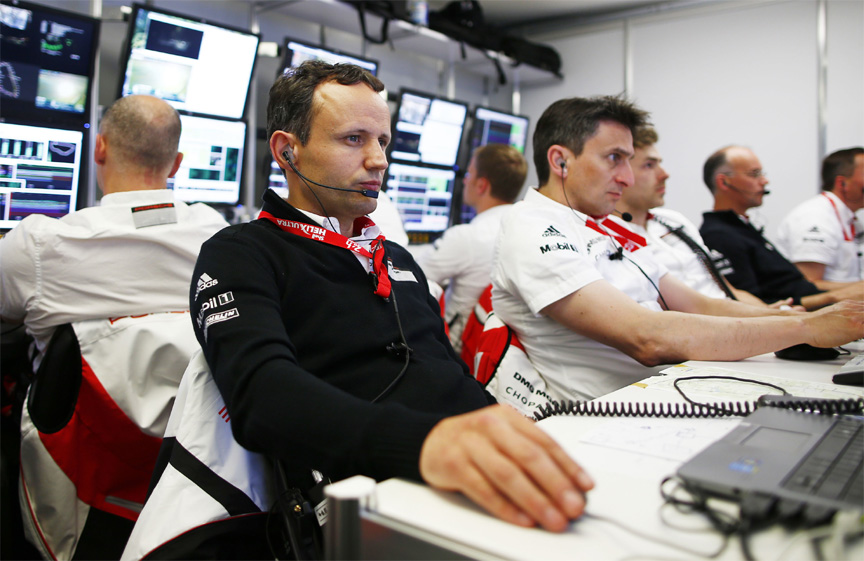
(735, 177)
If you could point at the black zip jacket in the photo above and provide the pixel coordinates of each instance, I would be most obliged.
(297, 344)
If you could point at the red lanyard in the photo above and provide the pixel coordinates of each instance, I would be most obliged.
(381, 280)
(847, 236)
(628, 239)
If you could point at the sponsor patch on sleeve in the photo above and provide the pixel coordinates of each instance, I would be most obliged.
(219, 317)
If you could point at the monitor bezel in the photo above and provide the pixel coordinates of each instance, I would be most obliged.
(475, 122)
(126, 53)
(402, 92)
(81, 189)
(53, 117)
(242, 160)
(338, 52)
(431, 234)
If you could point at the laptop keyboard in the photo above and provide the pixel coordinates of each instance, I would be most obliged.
(833, 469)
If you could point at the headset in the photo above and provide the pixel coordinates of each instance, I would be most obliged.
(289, 157)
(618, 254)
(737, 190)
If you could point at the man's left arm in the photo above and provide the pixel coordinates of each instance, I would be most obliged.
(815, 273)
(682, 298)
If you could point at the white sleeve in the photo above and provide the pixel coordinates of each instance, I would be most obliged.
(540, 268)
(19, 254)
(451, 256)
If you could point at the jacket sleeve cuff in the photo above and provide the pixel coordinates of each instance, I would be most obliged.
(396, 442)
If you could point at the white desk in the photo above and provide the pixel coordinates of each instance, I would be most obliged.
(628, 458)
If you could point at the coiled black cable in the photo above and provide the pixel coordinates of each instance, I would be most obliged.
(694, 410)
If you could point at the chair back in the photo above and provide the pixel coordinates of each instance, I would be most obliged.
(92, 427)
(502, 365)
(211, 496)
(474, 328)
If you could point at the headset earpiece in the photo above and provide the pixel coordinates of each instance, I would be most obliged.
(288, 155)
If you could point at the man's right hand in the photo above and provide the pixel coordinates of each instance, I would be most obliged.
(837, 324)
(507, 465)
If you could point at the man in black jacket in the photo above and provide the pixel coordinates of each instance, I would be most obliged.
(323, 338)
(735, 178)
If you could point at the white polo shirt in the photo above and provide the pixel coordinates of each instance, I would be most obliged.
(463, 255)
(676, 255)
(824, 230)
(545, 252)
(133, 254)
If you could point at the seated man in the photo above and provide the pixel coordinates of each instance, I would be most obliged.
(734, 176)
(132, 254)
(463, 255)
(324, 341)
(675, 241)
(587, 300)
(821, 235)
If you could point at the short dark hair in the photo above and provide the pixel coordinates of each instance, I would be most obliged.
(714, 162)
(644, 137)
(504, 167)
(841, 162)
(290, 108)
(571, 122)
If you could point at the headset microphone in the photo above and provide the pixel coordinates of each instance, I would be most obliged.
(625, 216)
(737, 190)
(371, 193)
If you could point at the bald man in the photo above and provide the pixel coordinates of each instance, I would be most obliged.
(132, 254)
(735, 177)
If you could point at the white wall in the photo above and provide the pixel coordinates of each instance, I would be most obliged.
(744, 73)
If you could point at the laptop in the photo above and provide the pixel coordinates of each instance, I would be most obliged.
(805, 459)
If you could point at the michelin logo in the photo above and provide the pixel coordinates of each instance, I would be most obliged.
(219, 317)
(204, 281)
(214, 302)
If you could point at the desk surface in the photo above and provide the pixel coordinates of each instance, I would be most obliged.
(628, 458)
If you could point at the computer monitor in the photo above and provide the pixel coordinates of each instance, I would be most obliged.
(297, 52)
(196, 66)
(423, 197)
(428, 129)
(491, 126)
(39, 171)
(47, 60)
(212, 160)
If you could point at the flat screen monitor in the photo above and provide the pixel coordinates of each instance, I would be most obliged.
(196, 66)
(47, 59)
(422, 195)
(428, 129)
(39, 171)
(491, 126)
(212, 160)
(297, 52)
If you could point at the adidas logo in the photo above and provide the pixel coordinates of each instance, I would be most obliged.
(551, 231)
(205, 281)
(814, 230)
